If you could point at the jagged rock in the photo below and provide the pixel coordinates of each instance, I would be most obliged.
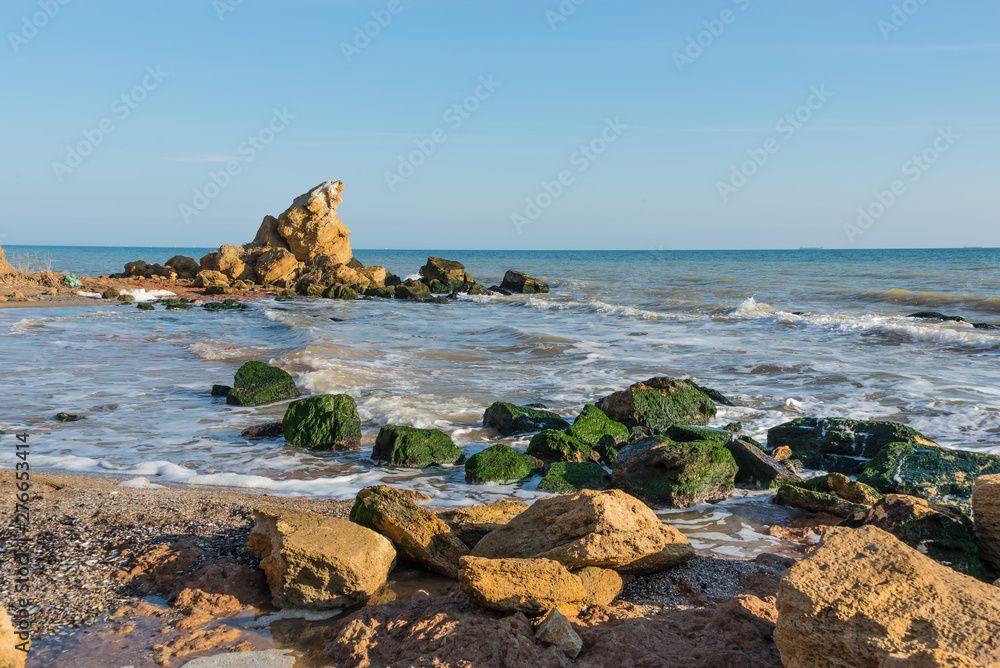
(602, 584)
(204, 279)
(556, 630)
(658, 403)
(836, 444)
(681, 475)
(375, 275)
(451, 275)
(323, 422)
(310, 227)
(986, 509)
(275, 266)
(341, 292)
(756, 467)
(498, 463)
(515, 281)
(530, 586)
(571, 477)
(509, 419)
(318, 562)
(257, 383)
(552, 445)
(591, 528)
(415, 448)
(593, 427)
(472, 523)
(229, 261)
(186, 267)
(268, 236)
(415, 531)
(863, 596)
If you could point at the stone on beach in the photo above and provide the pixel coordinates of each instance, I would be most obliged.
(498, 463)
(186, 267)
(509, 419)
(552, 445)
(863, 596)
(409, 447)
(416, 532)
(257, 383)
(310, 226)
(593, 427)
(590, 528)
(756, 467)
(323, 422)
(681, 475)
(318, 562)
(471, 523)
(658, 403)
(602, 584)
(530, 586)
(556, 630)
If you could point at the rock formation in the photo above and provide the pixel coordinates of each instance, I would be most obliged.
(5, 268)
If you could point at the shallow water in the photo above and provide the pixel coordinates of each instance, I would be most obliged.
(783, 333)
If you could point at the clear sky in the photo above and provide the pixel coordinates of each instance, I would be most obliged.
(585, 124)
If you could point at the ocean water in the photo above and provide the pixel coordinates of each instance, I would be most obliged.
(784, 334)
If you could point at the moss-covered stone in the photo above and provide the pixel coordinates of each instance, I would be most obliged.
(285, 296)
(126, 299)
(607, 452)
(477, 290)
(836, 444)
(714, 395)
(380, 293)
(928, 471)
(226, 305)
(498, 463)
(257, 383)
(415, 448)
(552, 445)
(842, 486)
(755, 467)
(110, 293)
(413, 290)
(592, 425)
(509, 419)
(342, 292)
(218, 289)
(145, 306)
(221, 390)
(172, 304)
(323, 422)
(571, 477)
(818, 502)
(686, 433)
(661, 471)
(658, 403)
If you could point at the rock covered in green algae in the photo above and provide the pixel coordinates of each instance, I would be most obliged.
(221, 390)
(658, 403)
(498, 463)
(225, 305)
(687, 433)
(415, 448)
(818, 502)
(110, 293)
(342, 292)
(126, 299)
(517, 281)
(324, 422)
(591, 426)
(840, 444)
(662, 471)
(572, 477)
(145, 306)
(171, 304)
(380, 293)
(509, 419)
(552, 445)
(257, 383)
(714, 395)
(445, 275)
(928, 471)
(413, 290)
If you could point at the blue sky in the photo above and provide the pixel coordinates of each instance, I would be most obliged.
(616, 99)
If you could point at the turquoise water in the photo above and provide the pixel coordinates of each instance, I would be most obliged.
(783, 333)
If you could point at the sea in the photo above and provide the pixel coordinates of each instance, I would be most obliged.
(782, 333)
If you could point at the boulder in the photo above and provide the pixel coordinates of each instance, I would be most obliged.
(276, 265)
(681, 475)
(323, 422)
(529, 586)
(934, 473)
(943, 533)
(863, 596)
(515, 281)
(472, 523)
(186, 267)
(509, 419)
(415, 531)
(658, 403)
(310, 227)
(204, 279)
(593, 427)
(602, 585)
(555, 630)
(572, 477)
(375, 276)
(318, 562)
(263, 431)
(412, 290)
(836, 444)
(818, 502)
(552, 445)
(498, 463)
(257, 383)
(229, 261)
(415, 448)
(591, 528)
(986, 509)
(756, 467)
(451, 275)
(110, 293)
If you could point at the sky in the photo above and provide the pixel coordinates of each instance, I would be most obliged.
(504, 124)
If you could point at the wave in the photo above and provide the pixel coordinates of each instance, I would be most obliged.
(217, 350)
(936, 300)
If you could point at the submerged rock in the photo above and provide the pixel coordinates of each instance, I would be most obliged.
(863, 596)
(515, 281)
(509, 419)
(658, 403)
(257, 384)
(323, 422)
(593, 427)
(934, 315)
(470, 524)
(529, 586)
(681, 475)
(262, 431)
(318, 562)
(415, 448)
(571, 477)
(498, 463)
(552, 445)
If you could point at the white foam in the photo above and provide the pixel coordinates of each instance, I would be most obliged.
(143, 295)
(91, 295)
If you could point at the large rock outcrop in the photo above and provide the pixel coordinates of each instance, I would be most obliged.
(310, 227)
(864, 597)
